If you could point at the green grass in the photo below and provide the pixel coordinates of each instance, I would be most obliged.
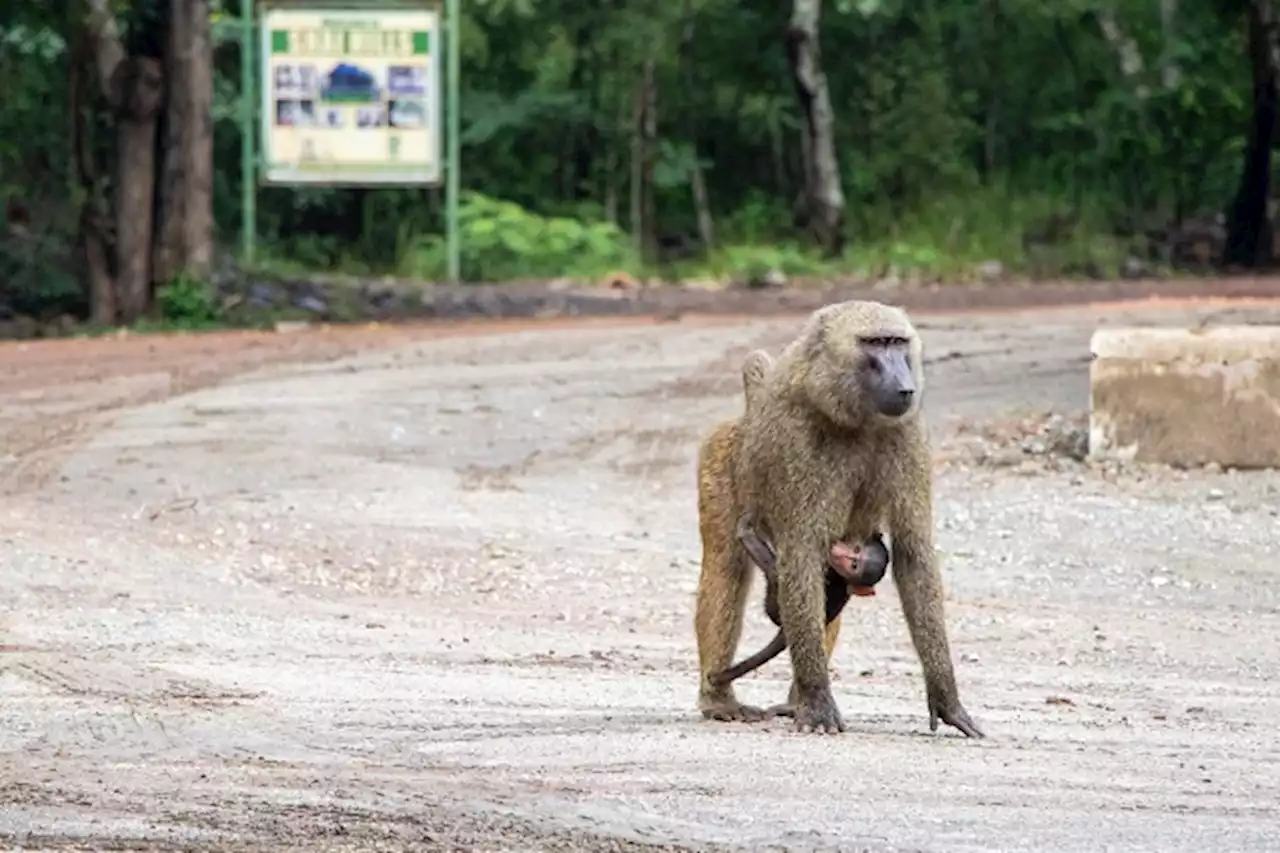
(947, 240)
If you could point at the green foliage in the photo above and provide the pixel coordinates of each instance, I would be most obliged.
(753, 265)
(501, 240)
(188, 303)
(35, 282)
(960, 129)
(956, 233)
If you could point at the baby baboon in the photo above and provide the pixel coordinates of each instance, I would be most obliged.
(856, 572)
(855, 565)
(832, 448)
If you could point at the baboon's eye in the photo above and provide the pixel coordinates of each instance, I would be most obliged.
(883, 341)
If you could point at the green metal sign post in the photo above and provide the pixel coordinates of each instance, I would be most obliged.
(349, 94)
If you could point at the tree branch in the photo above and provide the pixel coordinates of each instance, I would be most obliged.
(108, 50)
(1131, 64)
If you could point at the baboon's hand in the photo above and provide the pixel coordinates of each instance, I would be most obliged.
(953, 714)
(817, 712)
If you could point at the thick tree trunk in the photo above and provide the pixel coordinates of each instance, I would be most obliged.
(824, 197)
(143, 94)
(167, 259)
(1248, 231)
(184, 227)
(93, 240)
(134, 88)
(198, 227)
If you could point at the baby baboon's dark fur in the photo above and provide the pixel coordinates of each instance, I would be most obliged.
(869, 568)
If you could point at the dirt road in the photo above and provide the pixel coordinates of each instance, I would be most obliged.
(437, 594)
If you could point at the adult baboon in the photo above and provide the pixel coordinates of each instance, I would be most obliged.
(832, 448)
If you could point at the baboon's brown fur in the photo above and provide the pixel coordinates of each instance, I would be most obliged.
(815, 462)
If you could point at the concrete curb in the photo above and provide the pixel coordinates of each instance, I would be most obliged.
(1186, 397)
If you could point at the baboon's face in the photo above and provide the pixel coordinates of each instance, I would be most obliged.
(886, 376)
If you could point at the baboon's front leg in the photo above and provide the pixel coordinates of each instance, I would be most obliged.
(829, 637)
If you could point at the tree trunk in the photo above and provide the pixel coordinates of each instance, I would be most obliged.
(134, 88)
(142, 94)
(994, 83)
(1127, 51)
(649, 215)
(1170, 73)
(702, 205)
(97, 262)
(697, 182)
(613, 163)
(198, 227)
(1248, 232)
(184, 229)
(637, 168)
(168, 257)
(93, 241)
(824, 197)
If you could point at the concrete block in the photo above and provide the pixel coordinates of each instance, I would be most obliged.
(1186, 397)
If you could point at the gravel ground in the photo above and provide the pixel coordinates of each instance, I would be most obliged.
(415, 589)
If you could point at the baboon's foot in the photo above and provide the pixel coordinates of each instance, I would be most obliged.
(727, 709)
(784, 709)
(816, 712)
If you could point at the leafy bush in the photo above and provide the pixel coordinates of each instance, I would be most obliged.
(188, 303)
(752, 265)
(37, 282)
(501, 240)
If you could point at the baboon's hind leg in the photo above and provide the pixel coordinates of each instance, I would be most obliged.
(724, 582)
(722, 601)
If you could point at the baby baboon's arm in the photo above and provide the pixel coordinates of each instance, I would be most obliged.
(757, 549)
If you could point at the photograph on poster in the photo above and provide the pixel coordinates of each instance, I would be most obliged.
(406, 113)
(406, 80)
(295, 113)
(374, 116)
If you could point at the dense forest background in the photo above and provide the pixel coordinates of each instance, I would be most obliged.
(687, 138)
